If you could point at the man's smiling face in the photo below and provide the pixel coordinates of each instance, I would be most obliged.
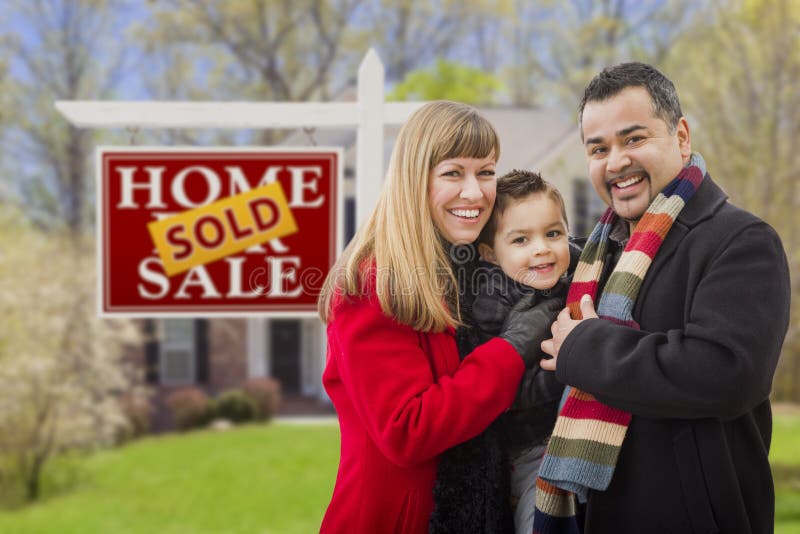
(631, 152)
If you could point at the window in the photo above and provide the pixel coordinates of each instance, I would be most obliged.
(177, 352)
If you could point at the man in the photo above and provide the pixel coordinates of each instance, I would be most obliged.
(685, 361)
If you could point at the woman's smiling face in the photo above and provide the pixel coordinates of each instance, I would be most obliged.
(461, 195)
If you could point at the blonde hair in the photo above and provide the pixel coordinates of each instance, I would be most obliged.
(413, 278)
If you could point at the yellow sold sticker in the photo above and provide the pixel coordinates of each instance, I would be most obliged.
(208, 233)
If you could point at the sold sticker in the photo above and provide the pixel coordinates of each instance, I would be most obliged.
(227, 226)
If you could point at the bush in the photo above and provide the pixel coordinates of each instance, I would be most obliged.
(190, 408)
(235, 405)
(266, 393)
(138, 413)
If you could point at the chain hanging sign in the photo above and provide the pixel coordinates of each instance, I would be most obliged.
(216, 231)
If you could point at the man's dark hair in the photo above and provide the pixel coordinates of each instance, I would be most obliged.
(612, 80)
(517, 185)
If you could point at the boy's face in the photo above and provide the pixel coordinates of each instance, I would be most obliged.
(530, 244)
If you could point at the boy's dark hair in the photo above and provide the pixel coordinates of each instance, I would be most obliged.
(518, 185)
(612, 80)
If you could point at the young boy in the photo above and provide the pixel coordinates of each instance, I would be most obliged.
(526, 249)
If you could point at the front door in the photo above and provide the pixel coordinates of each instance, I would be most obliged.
(285, 353)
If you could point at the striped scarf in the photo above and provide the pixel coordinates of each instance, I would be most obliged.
(588, 435)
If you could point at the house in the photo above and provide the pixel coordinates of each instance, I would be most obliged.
(217, 354)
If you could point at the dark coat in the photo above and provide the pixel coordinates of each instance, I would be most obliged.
(473, 482)
(530, 419)
(713, 311)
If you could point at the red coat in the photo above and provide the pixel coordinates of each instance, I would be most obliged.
(403, 397)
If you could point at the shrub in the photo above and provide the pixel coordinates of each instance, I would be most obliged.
(62, 367)
(190, 408)
(266, 393)
(138, 413)
(234, 405)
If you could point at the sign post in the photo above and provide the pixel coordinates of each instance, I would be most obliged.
(368, 115)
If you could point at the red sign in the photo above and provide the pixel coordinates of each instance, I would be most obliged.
(281, 276)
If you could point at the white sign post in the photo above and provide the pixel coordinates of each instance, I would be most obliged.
(369, 114)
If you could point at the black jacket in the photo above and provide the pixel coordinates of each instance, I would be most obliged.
(472, 491)
(530, 419)
(713, 311)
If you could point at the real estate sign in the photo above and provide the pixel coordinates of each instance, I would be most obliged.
(216, 231)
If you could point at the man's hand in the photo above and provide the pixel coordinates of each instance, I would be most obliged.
(561, 328)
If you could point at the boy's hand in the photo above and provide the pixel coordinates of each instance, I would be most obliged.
(561, 328)
(527, 323)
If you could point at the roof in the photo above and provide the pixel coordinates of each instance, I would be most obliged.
(530, 138)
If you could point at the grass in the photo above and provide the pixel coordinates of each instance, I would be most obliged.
(274, 478)
(785, 459)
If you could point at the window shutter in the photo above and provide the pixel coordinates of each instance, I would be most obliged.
(201, 349)
(349, 219)
(150, 352)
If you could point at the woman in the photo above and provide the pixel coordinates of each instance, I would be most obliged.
(391, 303)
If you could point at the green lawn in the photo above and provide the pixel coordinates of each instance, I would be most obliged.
(785, 459)
(274, 478)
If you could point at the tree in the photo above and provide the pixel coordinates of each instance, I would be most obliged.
(269, 50)
(61, 367)
(449, 81)
(66, 52)
(555, 48)
(411, 35)
(738, 72)
(309, 49)
(248, 50)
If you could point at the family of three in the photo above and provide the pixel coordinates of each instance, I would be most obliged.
(490, 376)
